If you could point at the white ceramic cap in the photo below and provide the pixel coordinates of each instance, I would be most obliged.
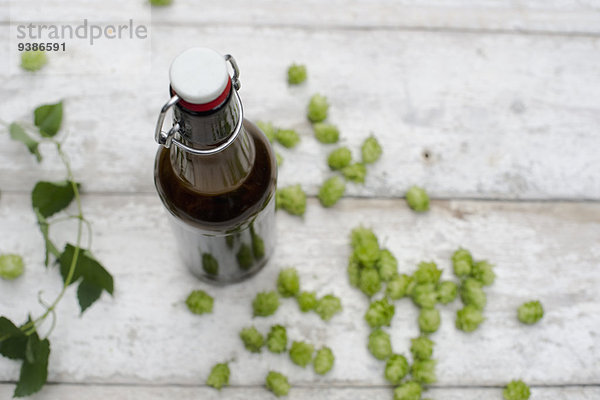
(199, 75)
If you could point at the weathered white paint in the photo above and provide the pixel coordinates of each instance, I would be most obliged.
(569, 16)
(145, 335)
(501, 116)
(95, 392)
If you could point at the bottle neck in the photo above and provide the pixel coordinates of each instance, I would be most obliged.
(220, 172)
(208, 128)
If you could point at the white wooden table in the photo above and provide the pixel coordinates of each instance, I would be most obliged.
(503, 97)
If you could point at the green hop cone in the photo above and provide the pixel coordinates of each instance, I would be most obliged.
(11, 266)
(398, 286)
(317, 108)
(468, 318)
(387, 265)
(277, 383)
(425, 295)
(396, 368)
(287, 137)
(296, 74)
(408, 391)
(417, 199)
(288, 282)
(292, 199)
(380, 345)
(307, 301)
(328, 306)
(253, 340)
(244, 257)
(429, 320)
(446, 292)
(427, 272)
(356, 172)
(421, 348)
(326, 133)
(462, 262)
(199, 302)
(210, 265)
(530, 312)
(371, 150)
(33, 60)
(483, 272)
(219, 376)
(471, 293)
(339, 158)
(516, 390)
(423, 371)
(277, 339)
(323, 361)
(369, 283)
(379, 313)
(331, 191)
(265, 304)
(301, 353)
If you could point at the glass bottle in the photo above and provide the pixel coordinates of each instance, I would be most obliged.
(215, 172)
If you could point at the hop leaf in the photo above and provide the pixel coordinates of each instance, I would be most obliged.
(51, 197)
(94, 278)
(48, 118)
(18, 133)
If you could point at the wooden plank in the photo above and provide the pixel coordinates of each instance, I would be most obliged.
(572, 16)
(499, 116)
(145, 335)
(97, 392)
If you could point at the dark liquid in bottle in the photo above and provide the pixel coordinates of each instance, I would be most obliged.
(228, 235)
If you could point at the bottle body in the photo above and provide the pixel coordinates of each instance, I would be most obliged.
(222, 206)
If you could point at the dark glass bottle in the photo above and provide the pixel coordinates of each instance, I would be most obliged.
(216, 175)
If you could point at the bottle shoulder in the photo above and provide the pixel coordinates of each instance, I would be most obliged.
(228, 208)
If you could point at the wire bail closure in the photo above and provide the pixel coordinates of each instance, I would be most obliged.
(168, 138)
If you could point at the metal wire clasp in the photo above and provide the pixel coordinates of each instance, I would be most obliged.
(167, 138)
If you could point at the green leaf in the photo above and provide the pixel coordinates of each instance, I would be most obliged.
(12, 340)
(87, 294)
(52, 197)
(18, 133)
(50, 247)
(34, 371)
(48, 118)
(95, 277)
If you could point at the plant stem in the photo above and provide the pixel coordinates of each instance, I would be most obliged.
(30, 327)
